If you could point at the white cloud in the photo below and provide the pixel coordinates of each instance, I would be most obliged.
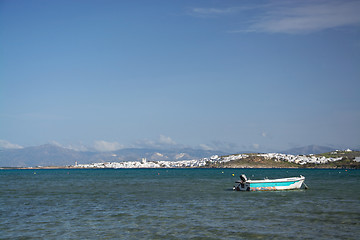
(104, 146)
(56, 143)
(76, 147)
(8, 145)
(220, 146)
(292, 17)
(166, 140)
(162, 142)
(308, 16)
(144, 143)
(264, 134)
(231, 147)
(219, 11)
(211, 11)
(206, 147)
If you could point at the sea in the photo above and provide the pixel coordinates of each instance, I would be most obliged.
(176, 204)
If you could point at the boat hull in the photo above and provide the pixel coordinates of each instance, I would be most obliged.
(271, 184)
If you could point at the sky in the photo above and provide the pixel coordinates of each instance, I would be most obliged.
(219, 75)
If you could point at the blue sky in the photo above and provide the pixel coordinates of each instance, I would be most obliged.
(222, 75)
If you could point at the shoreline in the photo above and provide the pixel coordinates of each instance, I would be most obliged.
(333, 160)
(240, 167)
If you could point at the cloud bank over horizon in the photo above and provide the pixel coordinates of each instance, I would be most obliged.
(8, 145)
(167, 143)
(162, 142)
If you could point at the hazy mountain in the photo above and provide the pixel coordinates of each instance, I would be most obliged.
(311, 149)
(133, 154)
(52, 155)
(44, 155)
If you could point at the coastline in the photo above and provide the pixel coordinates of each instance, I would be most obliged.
(219, 167)
(333, 160)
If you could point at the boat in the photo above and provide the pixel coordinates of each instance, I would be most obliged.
(269, 184)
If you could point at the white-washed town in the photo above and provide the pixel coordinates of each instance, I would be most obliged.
(297, 159)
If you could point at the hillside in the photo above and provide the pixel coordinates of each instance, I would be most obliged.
(253, 161)
(338, 159)
(343, 159)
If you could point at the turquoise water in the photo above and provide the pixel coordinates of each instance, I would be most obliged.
(176, 204)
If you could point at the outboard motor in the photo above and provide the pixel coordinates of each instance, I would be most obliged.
(243, 178)
(242, 185)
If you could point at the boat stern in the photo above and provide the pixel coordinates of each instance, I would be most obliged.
(242, 187)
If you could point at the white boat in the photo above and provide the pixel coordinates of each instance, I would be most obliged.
(269, 184)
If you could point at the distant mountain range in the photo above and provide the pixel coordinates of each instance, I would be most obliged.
(311, 149)
(53, 155)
